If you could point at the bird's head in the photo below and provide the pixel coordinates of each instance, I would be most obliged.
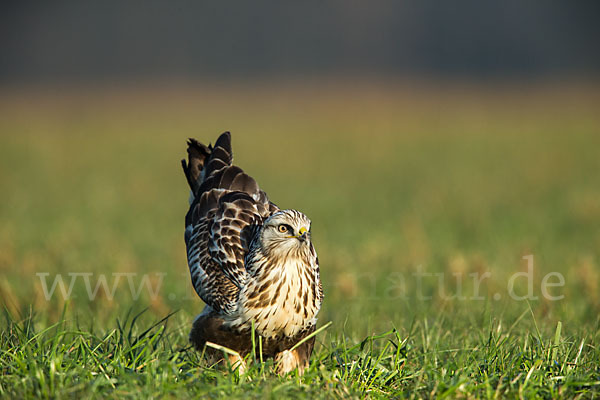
(286, 233)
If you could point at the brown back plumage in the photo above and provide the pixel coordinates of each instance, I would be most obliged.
(227, 206)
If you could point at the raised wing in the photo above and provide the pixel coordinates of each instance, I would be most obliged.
(226, 209)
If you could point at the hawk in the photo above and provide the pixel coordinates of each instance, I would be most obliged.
(253, 264)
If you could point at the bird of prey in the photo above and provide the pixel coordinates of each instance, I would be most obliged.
(253, 264)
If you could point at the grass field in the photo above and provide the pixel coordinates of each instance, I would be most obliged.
(424, 200)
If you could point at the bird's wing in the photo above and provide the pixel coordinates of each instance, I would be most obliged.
(226, 210)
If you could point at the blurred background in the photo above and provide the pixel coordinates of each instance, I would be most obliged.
(452, 136)
(70, 41)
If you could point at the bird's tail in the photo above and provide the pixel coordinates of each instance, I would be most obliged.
(204, 160)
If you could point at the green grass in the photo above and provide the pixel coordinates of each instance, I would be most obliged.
(454, 181)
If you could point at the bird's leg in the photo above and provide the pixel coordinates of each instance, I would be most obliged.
(287, 361)
(238, 363)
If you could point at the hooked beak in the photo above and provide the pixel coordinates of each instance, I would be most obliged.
(303, 234)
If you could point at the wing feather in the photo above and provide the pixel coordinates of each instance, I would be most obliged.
(228, 205)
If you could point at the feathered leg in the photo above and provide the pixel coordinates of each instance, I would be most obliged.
(288, 360)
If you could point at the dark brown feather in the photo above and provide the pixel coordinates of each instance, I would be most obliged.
(197, 155)
(227, 205)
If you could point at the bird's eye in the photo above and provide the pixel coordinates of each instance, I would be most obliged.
(282, 228)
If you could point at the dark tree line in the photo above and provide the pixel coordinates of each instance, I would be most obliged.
(148, 38)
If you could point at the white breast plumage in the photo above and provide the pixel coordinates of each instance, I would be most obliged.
(282, 301)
